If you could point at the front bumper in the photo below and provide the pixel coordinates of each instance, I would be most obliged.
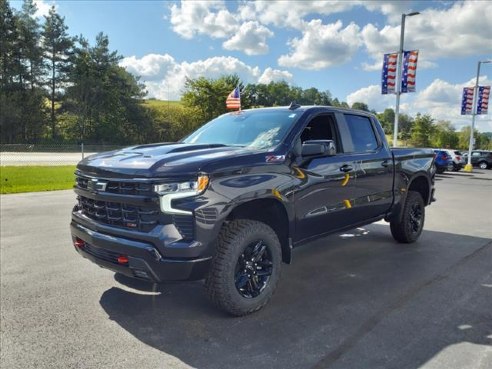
(144, 261)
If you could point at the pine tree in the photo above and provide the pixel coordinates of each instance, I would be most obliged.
(57, 45)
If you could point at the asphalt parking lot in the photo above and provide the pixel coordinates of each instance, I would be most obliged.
(352, 300)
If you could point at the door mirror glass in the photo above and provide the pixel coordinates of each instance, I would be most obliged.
(318, 148)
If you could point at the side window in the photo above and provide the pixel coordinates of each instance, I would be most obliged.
(475, 153)
(362, 133)
(321, 127)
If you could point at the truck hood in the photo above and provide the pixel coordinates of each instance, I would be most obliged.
(167, 159)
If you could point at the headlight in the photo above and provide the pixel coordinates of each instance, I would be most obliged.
(172, 191)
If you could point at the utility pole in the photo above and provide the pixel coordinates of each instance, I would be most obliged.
(469, 166)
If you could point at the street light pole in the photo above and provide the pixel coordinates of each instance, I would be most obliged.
(398, 80)
(469, 166)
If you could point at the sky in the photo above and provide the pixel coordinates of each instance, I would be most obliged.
(331, 45)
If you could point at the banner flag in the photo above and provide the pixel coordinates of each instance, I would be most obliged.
(467, 101)
(233, 100)
(388, 78)
(409, 71)
(483, 99)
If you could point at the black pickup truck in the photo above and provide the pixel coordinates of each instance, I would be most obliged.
(229, 202)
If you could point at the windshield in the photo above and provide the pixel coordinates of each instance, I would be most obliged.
(257, 129)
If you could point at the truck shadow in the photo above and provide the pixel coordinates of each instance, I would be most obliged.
(344, 302)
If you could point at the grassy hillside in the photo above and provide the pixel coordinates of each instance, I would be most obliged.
(160, 105)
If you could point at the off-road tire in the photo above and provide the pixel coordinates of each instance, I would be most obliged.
(236, 237)
(409, 228)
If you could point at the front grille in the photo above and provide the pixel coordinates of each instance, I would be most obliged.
(121, 215)
(118, 187)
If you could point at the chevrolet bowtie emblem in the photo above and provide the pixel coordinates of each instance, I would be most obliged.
(95, 185)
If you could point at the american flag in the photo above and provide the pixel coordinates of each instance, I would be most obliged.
(483, 99)
(388, 77)
(467, 101)
(233, 101)
(409, 71)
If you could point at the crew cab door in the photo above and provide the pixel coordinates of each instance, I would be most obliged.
(322, 199)
(372, 193)
(352, 187)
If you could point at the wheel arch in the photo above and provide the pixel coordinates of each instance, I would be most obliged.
(271, 212)
(422, 185)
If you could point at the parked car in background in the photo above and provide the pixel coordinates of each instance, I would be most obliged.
(457, 160)
(442, 161)
(480, 158)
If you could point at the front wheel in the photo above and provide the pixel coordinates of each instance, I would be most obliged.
(409, 227)
(483, 165)
(246, 267)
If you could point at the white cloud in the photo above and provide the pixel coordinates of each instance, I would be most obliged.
(322, 46)
(152, 66)
(202, 17)
(441, 99)
(250, 38)
(371, 95)
(43, 7)
(274, 75)
(290, 14)
(461, 30)
(165, 78)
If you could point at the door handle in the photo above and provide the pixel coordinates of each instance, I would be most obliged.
(385, 163)
(346, 168)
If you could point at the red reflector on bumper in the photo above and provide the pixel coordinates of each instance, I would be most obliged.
(78, 243)
(122, 260)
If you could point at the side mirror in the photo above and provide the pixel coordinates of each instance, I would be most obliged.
(318, 148)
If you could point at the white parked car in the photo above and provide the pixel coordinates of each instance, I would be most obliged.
(458, 161)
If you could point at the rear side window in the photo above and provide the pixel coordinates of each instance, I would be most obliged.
(362, 132)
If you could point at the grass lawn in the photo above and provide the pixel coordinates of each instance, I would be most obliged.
(16, 179)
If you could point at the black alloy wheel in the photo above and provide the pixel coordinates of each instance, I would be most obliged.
(253, 269)
(415, 223)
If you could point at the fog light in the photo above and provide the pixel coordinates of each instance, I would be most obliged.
(78, 243)
(122, 260)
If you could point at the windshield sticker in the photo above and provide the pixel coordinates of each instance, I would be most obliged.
(292, 115)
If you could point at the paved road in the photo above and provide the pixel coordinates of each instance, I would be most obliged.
(40, 158)
(354, 300)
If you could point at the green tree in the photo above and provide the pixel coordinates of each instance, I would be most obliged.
(57, 45)
(387, 120)
(422, 130)
(104, 96)
(10, 98)
(208, 96)
(360, 106)
(29, 43)
(444, 135)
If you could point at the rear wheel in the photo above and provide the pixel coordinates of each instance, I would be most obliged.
(483, 165)
(246, 267)
(409, 227)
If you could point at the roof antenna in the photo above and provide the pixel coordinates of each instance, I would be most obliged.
(293, 105)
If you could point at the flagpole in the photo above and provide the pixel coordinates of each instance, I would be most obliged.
(398, 81)
(239, 94)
